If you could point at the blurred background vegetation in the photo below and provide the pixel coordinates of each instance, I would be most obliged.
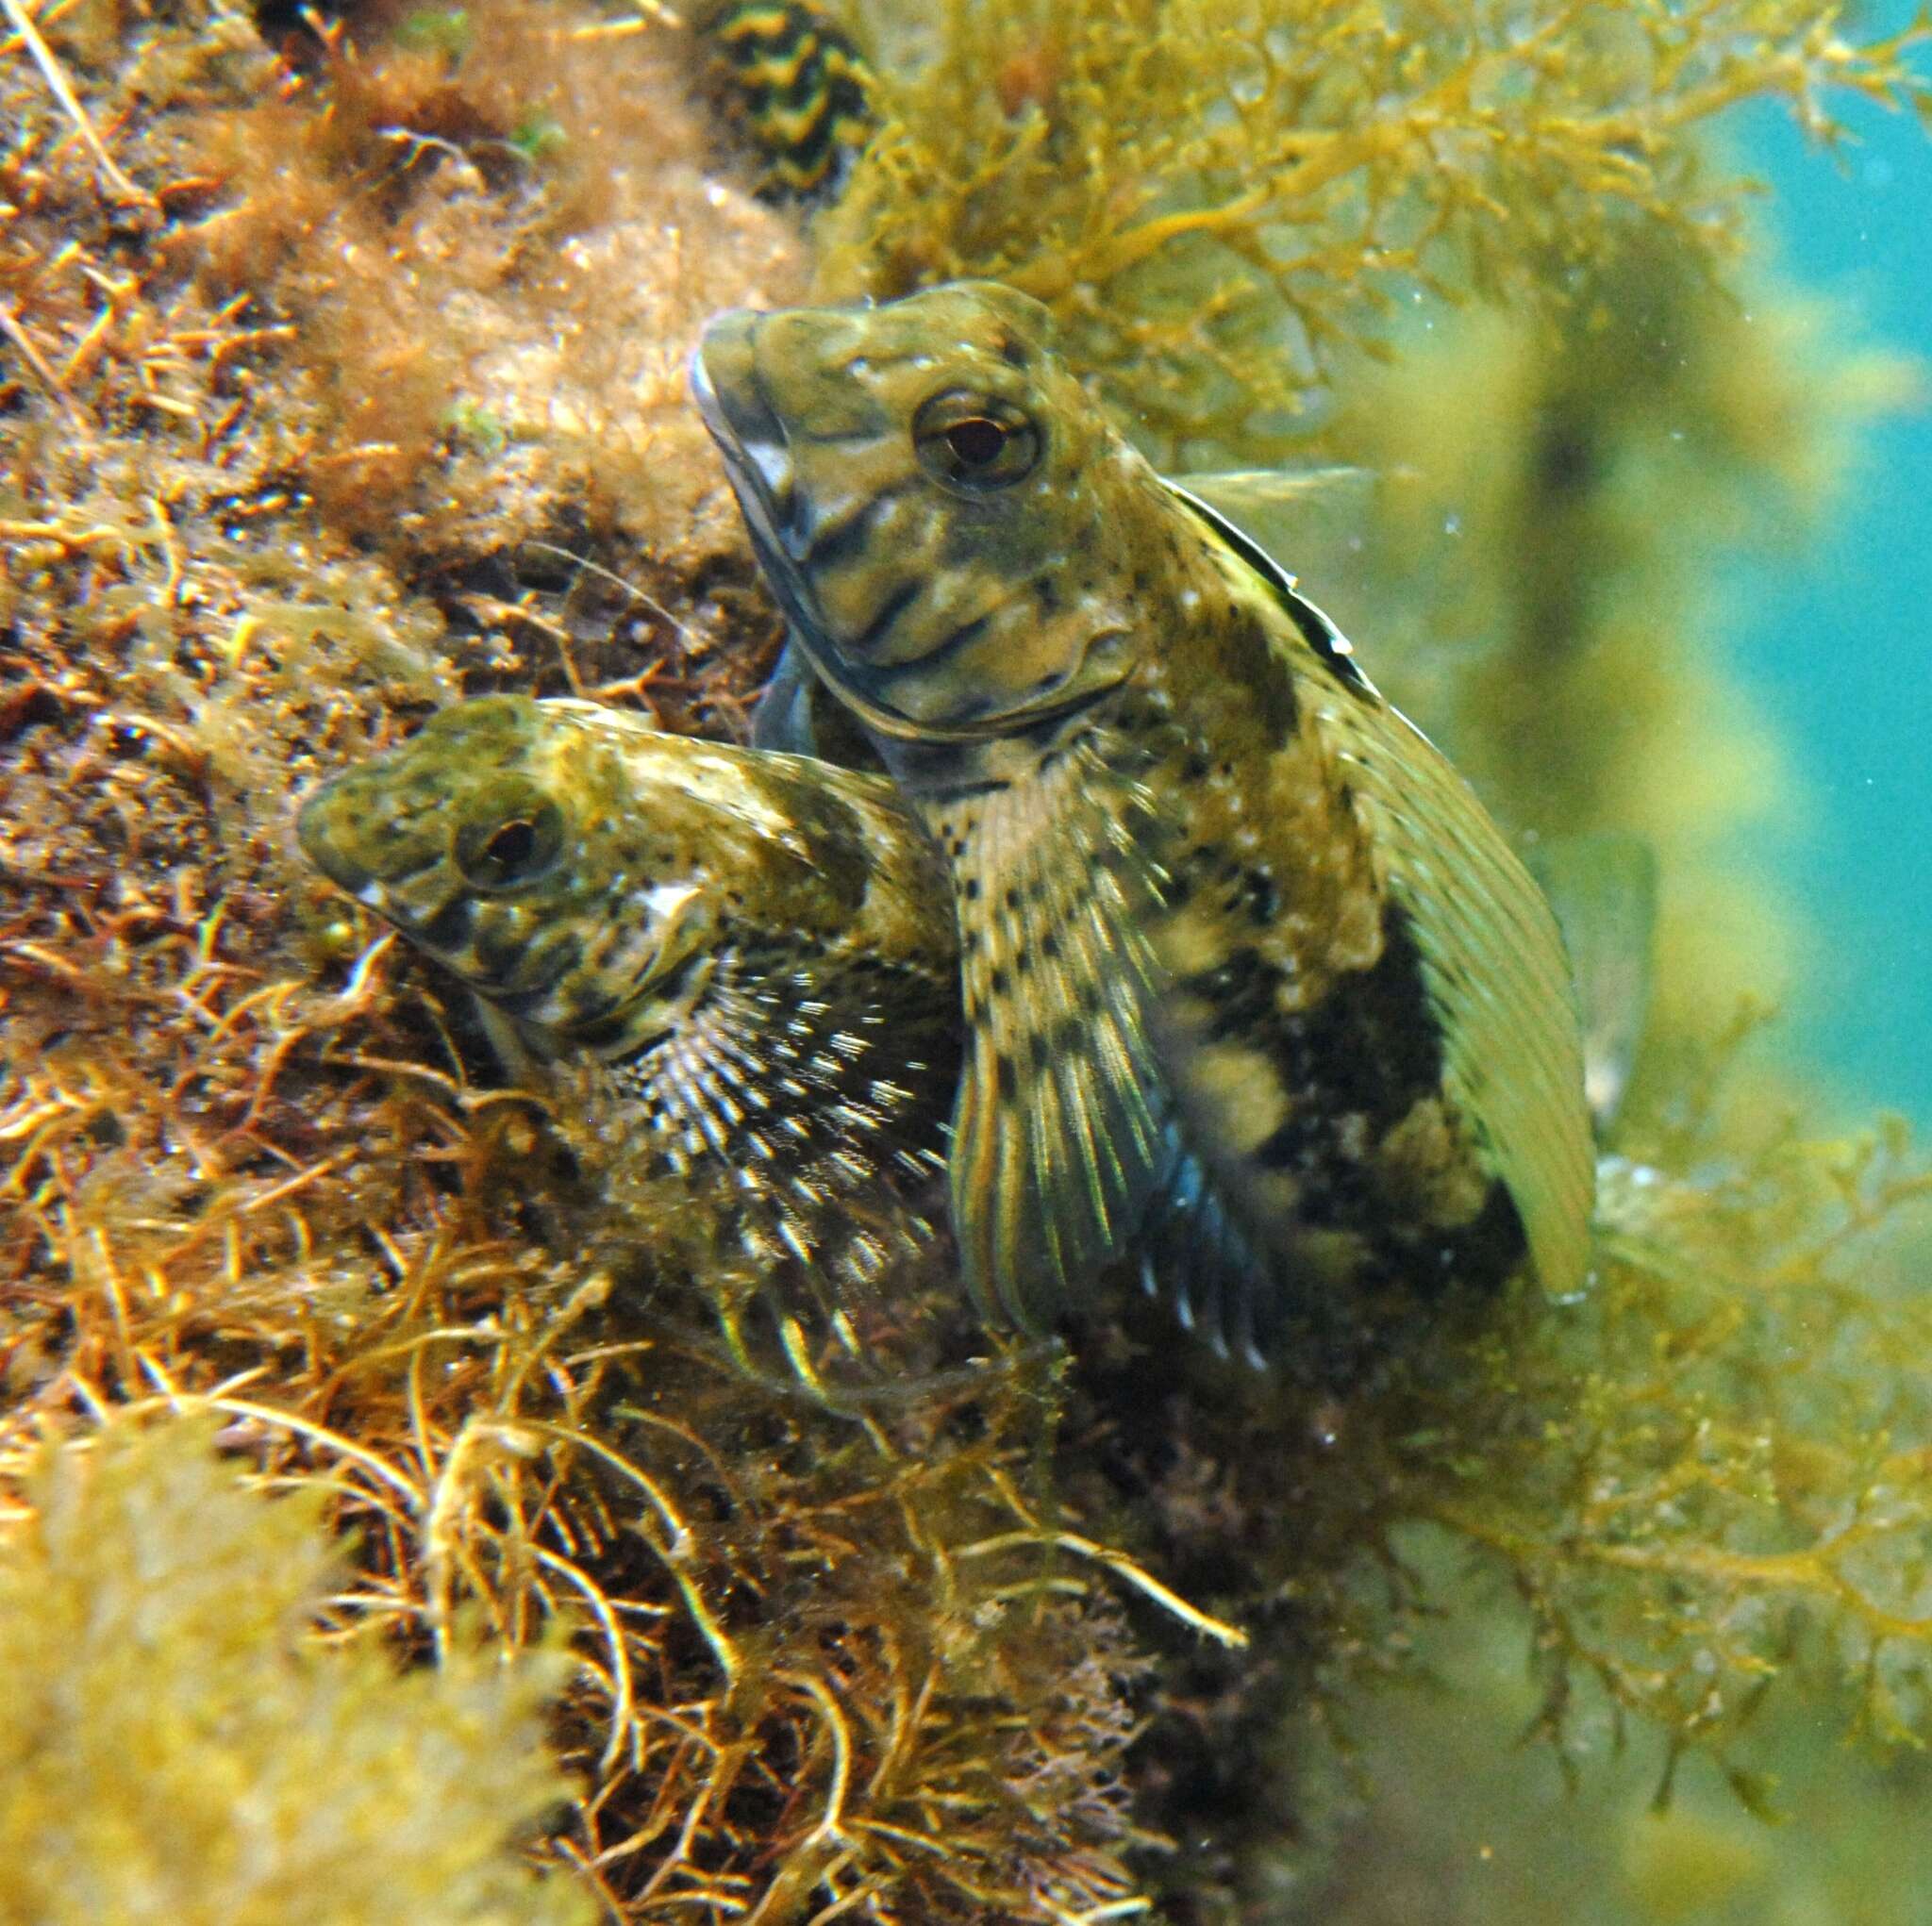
(1829, 636)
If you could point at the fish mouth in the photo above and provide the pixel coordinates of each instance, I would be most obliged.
(729, 390)
(751, 439)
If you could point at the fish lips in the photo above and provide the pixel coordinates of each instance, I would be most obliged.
(751, 437)
(752, 440)
(723, 373)
(749, 431)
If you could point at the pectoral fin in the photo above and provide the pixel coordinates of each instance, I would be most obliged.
(783, 718)
(798, 715)
(1058, 1141)
(1602, 889)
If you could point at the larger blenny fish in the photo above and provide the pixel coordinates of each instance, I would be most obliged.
(1256, 989)
(755, 947)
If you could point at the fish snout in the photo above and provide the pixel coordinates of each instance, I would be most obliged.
(725, 382)
(320, 829)
(367, 841)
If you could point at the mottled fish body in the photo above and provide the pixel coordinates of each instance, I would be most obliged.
(793, 78)
(1255, 988)
(754, 948)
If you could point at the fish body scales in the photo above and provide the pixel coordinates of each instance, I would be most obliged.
(1257, 994)
(746, 955)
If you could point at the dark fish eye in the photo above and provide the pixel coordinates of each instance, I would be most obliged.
(976, 442)
(973, 444)
(518, 842)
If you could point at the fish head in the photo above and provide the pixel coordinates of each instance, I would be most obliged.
(945, 515)
(517, 844)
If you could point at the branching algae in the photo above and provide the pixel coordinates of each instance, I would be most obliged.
(340, 376)
(302, 1776)
(1218, 197)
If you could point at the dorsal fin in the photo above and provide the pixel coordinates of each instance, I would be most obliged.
(1304, 509)
(1496, 969)
(1321, 635)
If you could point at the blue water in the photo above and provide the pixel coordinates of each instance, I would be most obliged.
(1835, 642)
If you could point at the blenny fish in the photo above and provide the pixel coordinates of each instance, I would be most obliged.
(795, 81)
(1256, 992)
(755, 948)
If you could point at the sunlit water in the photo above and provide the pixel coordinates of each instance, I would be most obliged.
(1836, 642)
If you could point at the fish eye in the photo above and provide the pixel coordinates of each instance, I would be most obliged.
(518, 842)
(973, 444)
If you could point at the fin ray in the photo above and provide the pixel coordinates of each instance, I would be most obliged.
(1495, 968)
(1057, 1133)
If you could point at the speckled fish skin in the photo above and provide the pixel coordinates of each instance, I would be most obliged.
(756, 946)
(799, 85)
(1255, 988)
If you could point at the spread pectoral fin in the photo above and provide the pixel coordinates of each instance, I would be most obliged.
(1060, 1135)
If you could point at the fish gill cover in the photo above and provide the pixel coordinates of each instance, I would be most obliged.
(340, 375)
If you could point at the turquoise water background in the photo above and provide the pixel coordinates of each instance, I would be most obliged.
(1835, 642)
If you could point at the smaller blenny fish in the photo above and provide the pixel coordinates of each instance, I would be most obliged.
(795, 81)
(755, 947)
(1255, 990)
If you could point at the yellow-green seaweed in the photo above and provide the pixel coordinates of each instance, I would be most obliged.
(1221, 199)
(180, 1741)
